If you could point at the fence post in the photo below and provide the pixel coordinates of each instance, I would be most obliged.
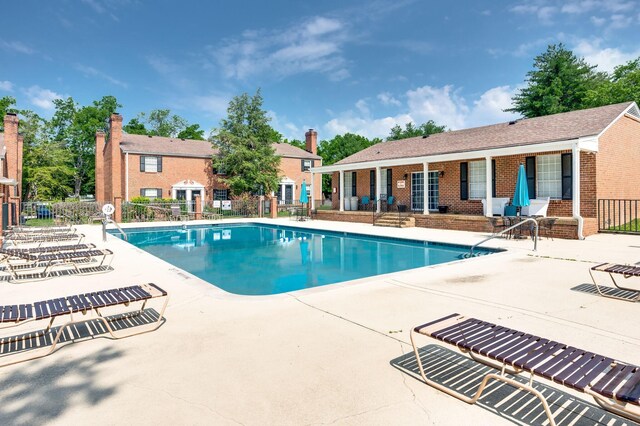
(198, 207)
(274, 208)
(261, 206)
(117, 214)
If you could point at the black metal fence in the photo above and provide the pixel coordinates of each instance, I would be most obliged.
(618, 216)
(43, 213)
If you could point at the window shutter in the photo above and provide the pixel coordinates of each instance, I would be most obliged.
(159, 164)
(493, 178)
(464, 180)
(530, 167)
(567, 176)
(142, 163)
(142, 192)
(389, 183)
(372, 184)
(354, 187)
(159, 193)
(312, 163)
(302, 165)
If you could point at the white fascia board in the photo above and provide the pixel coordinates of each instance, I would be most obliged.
(633, 104)
(457, 156)
(588, 143)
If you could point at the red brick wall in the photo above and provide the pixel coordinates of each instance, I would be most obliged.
(618, 160)
(506, 174)
(292, 168)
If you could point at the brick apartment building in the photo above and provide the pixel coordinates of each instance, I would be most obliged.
(10, 171)
(575, 158)
(129, 166)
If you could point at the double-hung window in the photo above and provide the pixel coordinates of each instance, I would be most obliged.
(220, 194)
(151, 193)
(306, 165)
(549, 175)
(150, 163)
(477, 179)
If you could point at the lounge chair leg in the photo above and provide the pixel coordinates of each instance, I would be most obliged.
(151, 327)
(485, 380)
(622, 409)
(636, 299)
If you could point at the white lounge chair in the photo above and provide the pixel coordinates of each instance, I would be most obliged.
(537, 207)
(497, 206)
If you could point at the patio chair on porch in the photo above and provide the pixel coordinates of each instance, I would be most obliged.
(614, 385)
(364, 203)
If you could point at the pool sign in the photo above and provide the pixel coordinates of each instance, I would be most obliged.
(108, 209)
(401, 184)
(216, 204)
(226, 205)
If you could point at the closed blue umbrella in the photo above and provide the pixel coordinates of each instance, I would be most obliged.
(521, 194)
(303, 193)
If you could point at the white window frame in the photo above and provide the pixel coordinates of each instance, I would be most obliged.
(347, 186)
(549, 176)
(150, 166)
(155, 190)
(477, 180)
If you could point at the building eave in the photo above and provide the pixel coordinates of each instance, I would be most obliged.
(586, 143)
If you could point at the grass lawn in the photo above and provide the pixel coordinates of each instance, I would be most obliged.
(39, 222)
(634, 225)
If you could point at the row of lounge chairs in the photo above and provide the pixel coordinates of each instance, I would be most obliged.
(27, 254)
(614, 385)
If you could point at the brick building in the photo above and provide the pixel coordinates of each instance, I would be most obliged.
(10, 171)
(129, 166)
(575, 158)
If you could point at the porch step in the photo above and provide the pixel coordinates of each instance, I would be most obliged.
(391, 220)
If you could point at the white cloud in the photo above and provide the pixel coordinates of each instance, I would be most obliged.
(606, 58)
(6, 86)
(16, 46)
(93, 72)
(619, 21)
(538, 8)
(387, 98)
(214, 105)
(363, 107)
(42, 98)
(585, 6)
(444, 105)
(598, 22)
(313, 46)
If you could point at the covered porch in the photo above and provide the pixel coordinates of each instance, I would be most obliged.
(449, 191)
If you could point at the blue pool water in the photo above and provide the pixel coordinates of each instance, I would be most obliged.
(252, 259)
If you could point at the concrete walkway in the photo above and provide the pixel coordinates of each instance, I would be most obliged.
(330, 355)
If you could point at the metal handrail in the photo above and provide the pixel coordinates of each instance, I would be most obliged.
(529, 219)
(107, 221)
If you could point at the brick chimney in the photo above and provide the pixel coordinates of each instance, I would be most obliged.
(100, 145)
(13, 159)
(312, 141)
(113, 165)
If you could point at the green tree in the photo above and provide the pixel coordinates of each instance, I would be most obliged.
(558, 83)
(622, 86)
(135, 127)
(411, 131)
(160, 122)
(75, 127)
(341, 146)
(245, 149)
(192, 131)
(6, 104)
(295, 142)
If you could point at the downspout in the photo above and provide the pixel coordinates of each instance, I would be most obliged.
(126, 176)
(575, 155)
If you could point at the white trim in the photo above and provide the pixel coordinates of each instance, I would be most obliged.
(575, 176)
(378, 183)
(341, 193)
(467, 155)
(313, 204)
(425, 191)
(126, 176)
(616, 119)
(488, 185)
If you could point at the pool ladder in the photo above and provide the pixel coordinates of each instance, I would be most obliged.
(107, 220)
(529, 219)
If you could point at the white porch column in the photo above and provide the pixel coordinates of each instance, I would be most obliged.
(489, 196)
(174, 193)
(378, 179)
(313, 202)
(341, 190)
(575, 188)
(425, 180)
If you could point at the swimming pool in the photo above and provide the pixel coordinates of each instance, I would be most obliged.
(259, 259)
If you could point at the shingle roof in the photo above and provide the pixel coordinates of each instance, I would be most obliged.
(158, 145)
(550, 128)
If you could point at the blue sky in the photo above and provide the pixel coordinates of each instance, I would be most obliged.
(336, 66)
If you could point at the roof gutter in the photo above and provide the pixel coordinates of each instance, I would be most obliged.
(588, 143)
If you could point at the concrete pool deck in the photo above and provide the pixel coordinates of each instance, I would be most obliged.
(327, 355)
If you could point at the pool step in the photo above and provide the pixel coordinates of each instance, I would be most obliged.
(391, 220)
